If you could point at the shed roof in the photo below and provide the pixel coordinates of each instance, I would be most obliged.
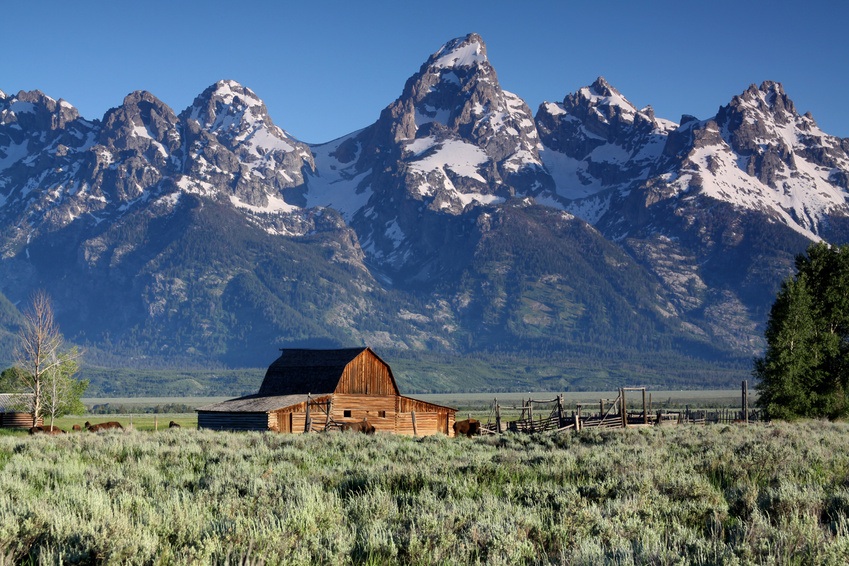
(258, 403)
(14, 402)
(297, 372)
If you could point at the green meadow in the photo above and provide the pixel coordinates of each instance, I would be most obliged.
(717, 494)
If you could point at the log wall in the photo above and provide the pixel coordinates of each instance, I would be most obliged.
(17, 420)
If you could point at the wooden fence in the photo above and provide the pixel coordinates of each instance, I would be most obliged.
(547, 416)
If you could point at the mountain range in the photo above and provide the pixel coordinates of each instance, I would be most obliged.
(480, 245)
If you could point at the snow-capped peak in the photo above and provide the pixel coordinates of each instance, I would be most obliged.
(229, 90)
(460, 52)
(602, 95)
(227, 105)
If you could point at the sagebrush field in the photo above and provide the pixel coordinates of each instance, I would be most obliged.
(765, 494)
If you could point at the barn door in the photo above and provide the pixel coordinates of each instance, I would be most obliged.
(442, 422)
(284, 422)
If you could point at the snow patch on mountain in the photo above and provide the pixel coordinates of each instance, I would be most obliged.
(457, 156)
(336, 184)
(275, 205)
(467, 52)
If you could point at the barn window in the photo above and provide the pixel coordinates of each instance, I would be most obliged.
(381, 414)
(346, 413)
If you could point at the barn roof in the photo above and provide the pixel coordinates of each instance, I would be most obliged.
(297, 372)
(14, 402)
(257, 403)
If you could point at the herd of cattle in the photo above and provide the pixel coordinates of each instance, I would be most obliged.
(468, 427)
(111, 425)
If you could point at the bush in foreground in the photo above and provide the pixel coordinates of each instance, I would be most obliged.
(677, 495)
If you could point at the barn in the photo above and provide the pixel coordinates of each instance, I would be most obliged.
(14, 410)
(310, 390)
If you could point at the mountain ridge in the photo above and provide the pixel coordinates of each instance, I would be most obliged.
(458, 223)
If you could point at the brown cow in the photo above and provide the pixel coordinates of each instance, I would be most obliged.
(47, 429)
(365, 427)
(172, 424)
(104, 426)
(76, 428)
(469, 427)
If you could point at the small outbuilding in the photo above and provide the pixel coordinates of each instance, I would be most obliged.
(14, 410)
(309, 390)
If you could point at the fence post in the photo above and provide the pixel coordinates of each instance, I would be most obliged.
(746, 401)
(623, 408)
(307, 418)
(497, 418)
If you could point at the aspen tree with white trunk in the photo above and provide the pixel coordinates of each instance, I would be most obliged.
(46, 371)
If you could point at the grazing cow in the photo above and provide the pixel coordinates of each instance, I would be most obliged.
(46, 430)
(76, 428)
(365, 427)
(172, 424)
(469, 427)
(104, 426)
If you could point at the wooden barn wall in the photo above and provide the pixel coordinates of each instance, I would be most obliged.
(426, 424)
(363, 406)
(293, 418)
(387, 413)
(299, 420)
(445, 415)
(233, 421)
(366, 375)
(18, 420)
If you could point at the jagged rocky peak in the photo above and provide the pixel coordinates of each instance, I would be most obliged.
(598, 115)
(34, 110)
(142, 123)
(469, 51)
(769, 98)
(234, 147)
(754, 116)
(448, 82)
(140, 108)
(456, 96)
(227, 106)
(605, 111)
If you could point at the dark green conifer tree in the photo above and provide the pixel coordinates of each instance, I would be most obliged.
(805, 369)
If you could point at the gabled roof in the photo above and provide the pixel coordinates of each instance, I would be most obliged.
(298, 372)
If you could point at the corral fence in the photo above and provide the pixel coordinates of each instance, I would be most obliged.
(551, 415)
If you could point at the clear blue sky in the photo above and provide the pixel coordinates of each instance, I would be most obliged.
(326, 68)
